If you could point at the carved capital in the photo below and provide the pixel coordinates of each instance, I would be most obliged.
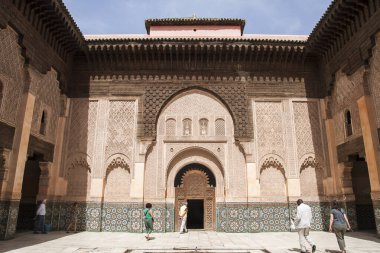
(45, 172)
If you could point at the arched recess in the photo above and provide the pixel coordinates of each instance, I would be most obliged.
(117, 179)
(194, 89)
(78, 175)
(200, 156)
(272, 178)
(311, 177)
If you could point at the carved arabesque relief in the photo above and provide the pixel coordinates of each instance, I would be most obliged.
(269, 129)
(203, 126)
(82, 126)
(308, 130)
(235, 96)
(11, 75)
(187, 127)
(220, 127)
(48, 95)
(171, 127)
(121, 128)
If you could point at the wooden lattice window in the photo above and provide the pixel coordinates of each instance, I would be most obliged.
(170, 127)
(220, 127)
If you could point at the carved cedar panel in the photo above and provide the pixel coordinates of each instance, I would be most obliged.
(308, 130)
(194, 185)
(11, 75)
(374, 79)
(347, 90)
(121, 128)
(82, 126)
(269, 128)
(235, 97)
(48, 100)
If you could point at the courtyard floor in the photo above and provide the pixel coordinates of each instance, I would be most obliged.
(194, 241)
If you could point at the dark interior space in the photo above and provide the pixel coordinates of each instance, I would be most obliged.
(28, 202)
(195, 214)
(362, 190)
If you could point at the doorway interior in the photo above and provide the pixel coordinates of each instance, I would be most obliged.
(29, 192)
(362, 191)
(195, 217)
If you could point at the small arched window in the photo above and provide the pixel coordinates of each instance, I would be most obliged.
(43, 123)
(220, 127)
(348, 123)
(170, 127)
(187, 127)
(203, 127)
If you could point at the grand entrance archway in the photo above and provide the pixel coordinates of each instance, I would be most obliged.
(195, 183)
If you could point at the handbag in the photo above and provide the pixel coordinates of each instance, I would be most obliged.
(292, 225)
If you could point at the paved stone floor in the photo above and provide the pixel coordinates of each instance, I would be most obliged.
(194, 241)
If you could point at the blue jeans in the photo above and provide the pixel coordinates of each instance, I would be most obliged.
(39, 225)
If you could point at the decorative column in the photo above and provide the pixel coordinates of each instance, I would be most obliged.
(371, 144)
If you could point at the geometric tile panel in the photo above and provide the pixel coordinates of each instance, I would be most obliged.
(230, 217)
(376, 210)
(8, 219)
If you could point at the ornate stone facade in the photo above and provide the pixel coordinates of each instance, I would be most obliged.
(241, 126)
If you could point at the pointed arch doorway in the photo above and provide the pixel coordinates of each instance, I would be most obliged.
(195, 183)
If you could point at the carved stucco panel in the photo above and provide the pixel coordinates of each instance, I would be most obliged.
(151, 172)
(270, 132)
(121, 128)
(234, 95)
(308, 130)
(217, 149)
(11, 75)
(82, 126)
(47, 94)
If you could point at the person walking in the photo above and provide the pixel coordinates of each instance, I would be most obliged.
(339, 224)
(148, 220)
(302, 223)
(39, 226)
(73, 218)
(183, 217)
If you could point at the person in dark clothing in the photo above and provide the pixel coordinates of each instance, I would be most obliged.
(339, 224)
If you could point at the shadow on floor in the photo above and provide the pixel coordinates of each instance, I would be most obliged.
(26, 239)
(369, 235)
